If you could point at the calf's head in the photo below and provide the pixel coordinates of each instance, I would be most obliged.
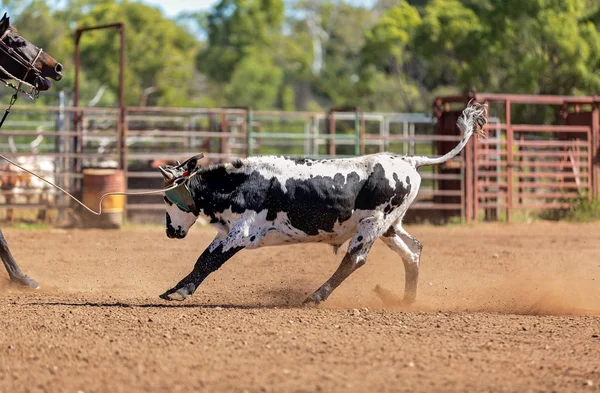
(181, 208)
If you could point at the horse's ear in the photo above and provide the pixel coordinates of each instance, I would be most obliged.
(4, 23)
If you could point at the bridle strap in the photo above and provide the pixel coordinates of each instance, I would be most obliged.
(14, 97)
(29, 66)
(11, 52)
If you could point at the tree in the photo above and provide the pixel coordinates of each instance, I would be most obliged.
(315, 54)
(530, 46)
(329, 39)
(159, 52)
(255, 82)
(235, 28)
(450, 41)
(386, 58)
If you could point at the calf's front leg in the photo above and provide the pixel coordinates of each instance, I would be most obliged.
(211, 259)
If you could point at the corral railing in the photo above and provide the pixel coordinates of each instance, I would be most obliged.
(350, 133)
(159, 135)
(519, 166)
(44, 140)
(522, 167)
(531, 167)
(155, 136)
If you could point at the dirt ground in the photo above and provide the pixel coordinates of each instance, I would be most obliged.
(501, 308)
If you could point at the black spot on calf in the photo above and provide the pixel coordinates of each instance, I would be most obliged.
(312, 204)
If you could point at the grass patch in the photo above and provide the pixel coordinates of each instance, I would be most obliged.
(580, 210)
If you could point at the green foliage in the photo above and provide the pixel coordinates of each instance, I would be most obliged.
(450, 40)
(234, 28)
(159, 52)
(287, 98)
(255, 82)
(391, 34)
(580, 210)
(307, 55)
(385, 83)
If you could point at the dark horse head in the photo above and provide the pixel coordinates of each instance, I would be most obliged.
(24, 62)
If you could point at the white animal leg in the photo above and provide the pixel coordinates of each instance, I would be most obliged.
(369, 229)
(409, 250)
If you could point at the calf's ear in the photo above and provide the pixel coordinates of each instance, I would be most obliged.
(190, 163)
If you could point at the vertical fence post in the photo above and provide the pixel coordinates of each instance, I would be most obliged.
(224, 127)
(466, 184)
(60, 167)
(363, 133)
(357, 133)
(249, 132)
(315, 135)
(331, 143)
(475, 166)
(509, 161)
(476, 150)
(122, 135)
(125, 147)
(595, 180)
(590, 162)
(307, 136)
(469, 182)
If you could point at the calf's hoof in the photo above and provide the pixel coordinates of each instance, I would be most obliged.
(25, 281)
(313, 300)
(407, 302)
(179, 293)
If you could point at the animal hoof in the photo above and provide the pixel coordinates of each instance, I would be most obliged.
(164, 296)
(179, 294)
(26, 281)
(313, 300)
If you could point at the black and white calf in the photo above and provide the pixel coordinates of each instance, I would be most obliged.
(266, 201)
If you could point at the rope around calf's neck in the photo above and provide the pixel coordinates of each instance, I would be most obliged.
(99, 212)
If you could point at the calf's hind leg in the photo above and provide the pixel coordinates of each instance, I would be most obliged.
(10, 264)
(409, 250)
(369, 230)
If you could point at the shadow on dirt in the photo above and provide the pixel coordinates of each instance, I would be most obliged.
(159, 306)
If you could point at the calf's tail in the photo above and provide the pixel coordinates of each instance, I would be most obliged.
(473, 119)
